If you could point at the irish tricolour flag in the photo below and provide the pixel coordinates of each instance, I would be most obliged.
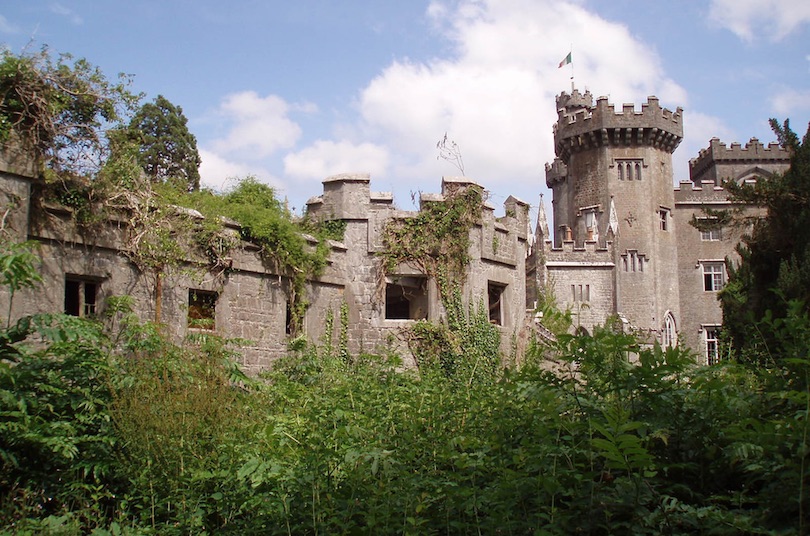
(566, 60)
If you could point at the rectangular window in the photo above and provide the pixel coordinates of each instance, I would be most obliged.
(713, 276)
(80, 296)
(495, 292)
(711, 235)
(663, 219)
(202, 307)
(406, 297)
(581, 293)
(712, 336)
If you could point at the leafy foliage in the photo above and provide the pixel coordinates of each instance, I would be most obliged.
(775, 256)
(59, 108)
(437, 240)
(117, 431)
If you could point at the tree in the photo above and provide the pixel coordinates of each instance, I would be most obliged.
(775, 256)
(60, 109)
(167, 149)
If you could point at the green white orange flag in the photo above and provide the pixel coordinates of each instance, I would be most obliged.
(566, 60)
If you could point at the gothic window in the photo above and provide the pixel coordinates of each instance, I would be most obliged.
(628, 170)
(202, 306)
(633, 262)
(406, 297)
(495, 293)
(670, 333)
(711, 337)
(713, 276)
(80, 296)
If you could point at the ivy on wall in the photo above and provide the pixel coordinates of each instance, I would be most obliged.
(437, 240)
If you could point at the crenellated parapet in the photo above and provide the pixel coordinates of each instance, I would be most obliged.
(707, 193)
(736, 157)
(556, 173)
(590, 253)
(581, 129)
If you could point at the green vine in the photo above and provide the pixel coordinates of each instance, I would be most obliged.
(437, 240)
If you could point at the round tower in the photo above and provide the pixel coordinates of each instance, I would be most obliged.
(621, 160)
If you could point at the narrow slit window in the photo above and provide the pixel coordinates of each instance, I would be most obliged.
(495, 292)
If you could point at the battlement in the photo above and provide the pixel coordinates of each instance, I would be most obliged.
(601, 125)
(569, 254)
(688, 193)
(754, 152)
(574, 101)
(556, 173)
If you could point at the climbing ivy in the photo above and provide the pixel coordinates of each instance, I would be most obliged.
(437, 240)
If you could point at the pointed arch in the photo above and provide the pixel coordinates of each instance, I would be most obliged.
(670, 332)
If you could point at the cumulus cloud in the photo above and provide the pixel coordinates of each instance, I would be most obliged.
(698, 130)
(752, 19)
(790, 101)
(324, 158)
(257, 126)
(218, 173)
(494, 95)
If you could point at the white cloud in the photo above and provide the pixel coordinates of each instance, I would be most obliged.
(68, 13)
(495, 96)
(6, 27)
(324, 158)
(750, 19)
(218, 173)
(258, 126)
(790, 101)
(699, 128)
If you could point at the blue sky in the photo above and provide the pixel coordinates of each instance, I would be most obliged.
(295, 91)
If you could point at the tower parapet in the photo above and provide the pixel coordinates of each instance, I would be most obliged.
(556, 172)
(736, 160)
(595, 126)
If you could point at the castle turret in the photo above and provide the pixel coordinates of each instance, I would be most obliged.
(612, 184)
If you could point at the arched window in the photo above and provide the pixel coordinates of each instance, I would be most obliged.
(670, 333)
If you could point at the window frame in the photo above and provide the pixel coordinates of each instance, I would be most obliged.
(714, 275)
(711, 343)
(86, 299)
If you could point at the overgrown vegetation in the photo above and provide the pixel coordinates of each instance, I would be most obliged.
(436, 241)
(109, 429)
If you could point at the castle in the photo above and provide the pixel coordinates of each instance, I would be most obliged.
(622, 245)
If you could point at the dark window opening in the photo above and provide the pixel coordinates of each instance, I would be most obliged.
(288, 321)
(495, 293)
(80, 297)
(202, 309)
(406, 298)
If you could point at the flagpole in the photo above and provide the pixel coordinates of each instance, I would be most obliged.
(571, 53)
